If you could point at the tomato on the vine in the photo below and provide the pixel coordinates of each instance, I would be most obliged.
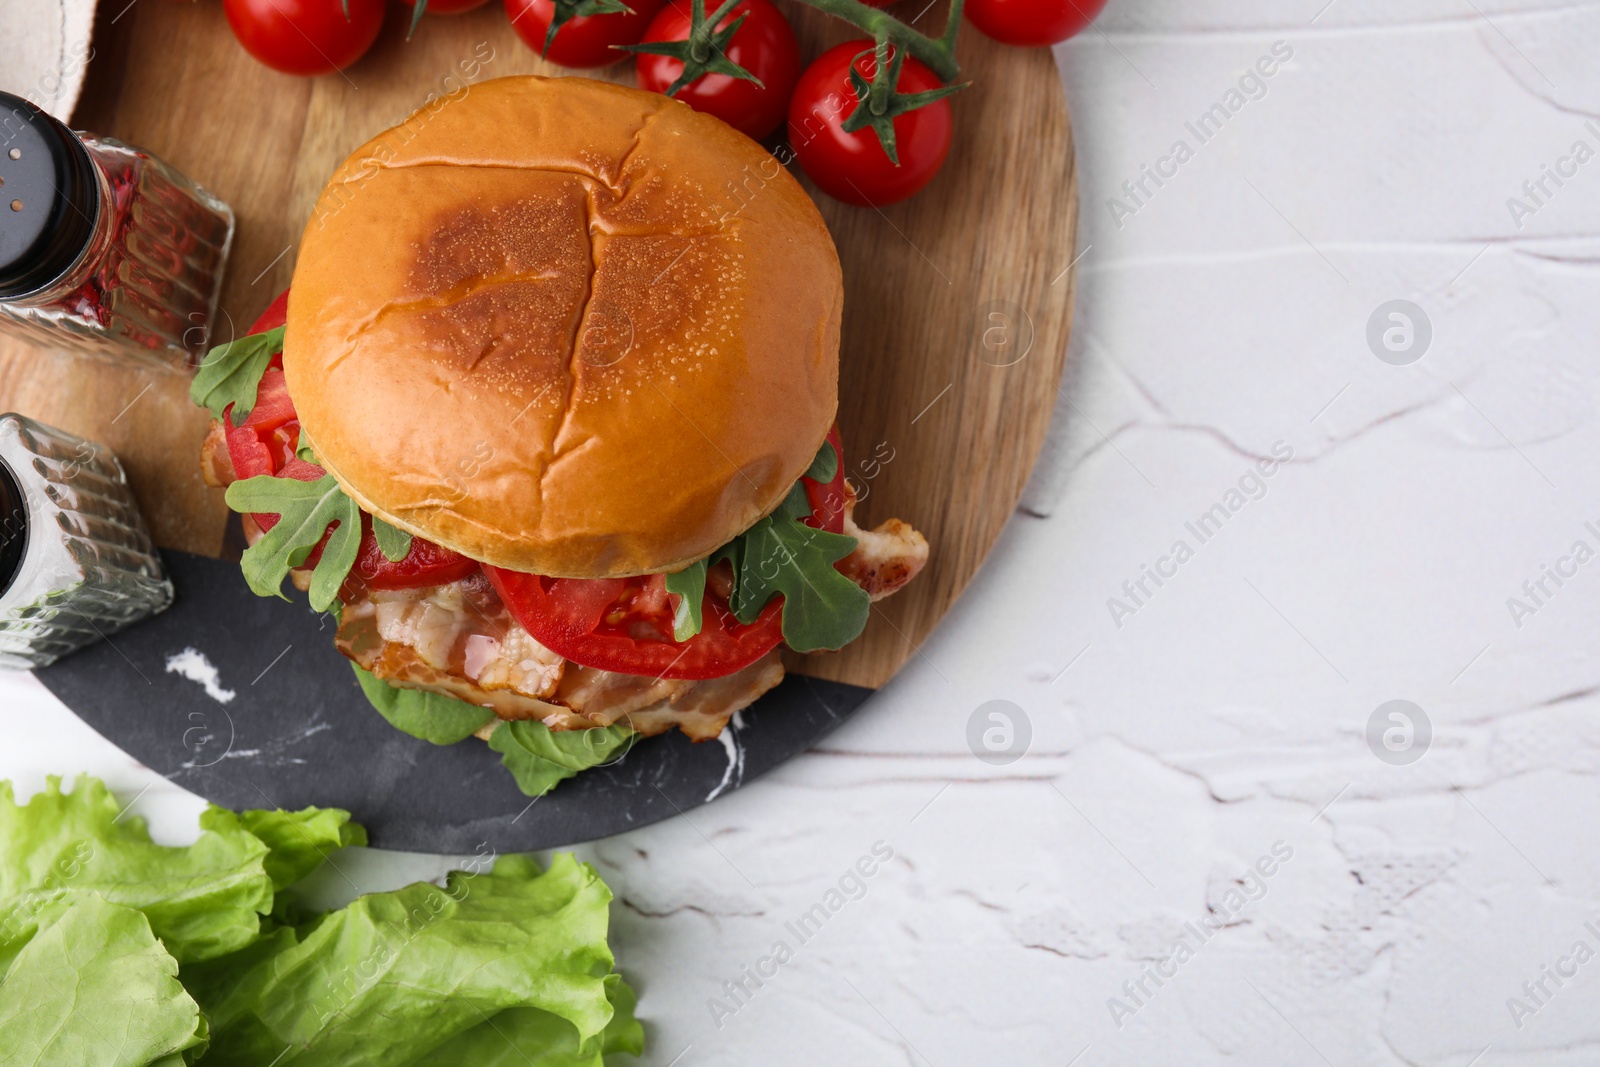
(447, 7)
(584, 41)
(1032, 23)
(764, 45)
(853, 167)
(305, 36)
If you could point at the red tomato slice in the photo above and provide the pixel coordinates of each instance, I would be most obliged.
(276, 315)
(828, 498)
(625, 625)
(426, 564)
(265, 444)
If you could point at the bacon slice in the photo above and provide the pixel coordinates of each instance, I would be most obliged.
(459, 640)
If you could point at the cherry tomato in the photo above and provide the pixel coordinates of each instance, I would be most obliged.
(853, 167)
(1032, 23)
(585, 41)
(764, 45)
(305, 36)
(265, 444)
(448, 7)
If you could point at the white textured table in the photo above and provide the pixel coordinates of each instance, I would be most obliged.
(1186, 733)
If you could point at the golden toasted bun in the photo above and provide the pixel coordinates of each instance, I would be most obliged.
(565, 327)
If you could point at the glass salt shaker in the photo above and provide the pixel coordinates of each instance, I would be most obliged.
(104, 247)
(76, 563)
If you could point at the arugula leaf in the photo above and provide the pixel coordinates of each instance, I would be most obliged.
(822, 609)
(303, 449)
(539, 758)
(202, 901)
(433, 717)
(396, 976)
(93, 985)
(305, 510)
(825, 465)
(689, 585)
(231, 374)
(393, 542)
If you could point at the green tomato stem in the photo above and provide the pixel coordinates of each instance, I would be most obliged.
(939, 54)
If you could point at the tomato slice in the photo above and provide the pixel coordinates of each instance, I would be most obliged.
(265, 444)
(828, 499)
(625, 625)
(426, 564)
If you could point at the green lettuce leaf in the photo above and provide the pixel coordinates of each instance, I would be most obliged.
(305, 510)
(231, 374)
(396, 976)
(518, 1037)
(94, 986)
(202, 901)
(433, 717)
(539, 758)
(298, 841)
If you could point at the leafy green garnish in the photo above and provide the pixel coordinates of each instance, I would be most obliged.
(201, 901)
(503, 966)
(539, 758)
(393, 542)
(825, 465)
(822, 609)
(299, 841)
(93, 985)
(231, 374)
(689, 585)
(302, 447)
(305, 511)
(433, 717)
(397, 976)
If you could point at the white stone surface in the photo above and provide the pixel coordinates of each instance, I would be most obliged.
(1228, 714)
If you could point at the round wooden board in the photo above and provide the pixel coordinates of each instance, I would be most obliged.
(937, 431)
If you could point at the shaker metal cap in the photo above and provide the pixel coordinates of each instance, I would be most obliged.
(48, 198)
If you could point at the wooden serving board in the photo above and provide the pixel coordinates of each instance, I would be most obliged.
(940, 429)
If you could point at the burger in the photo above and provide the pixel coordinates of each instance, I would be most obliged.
(547, 419)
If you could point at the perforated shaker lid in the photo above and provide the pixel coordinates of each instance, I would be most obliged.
(48, 198)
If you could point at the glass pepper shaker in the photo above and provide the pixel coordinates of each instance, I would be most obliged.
(103, 247)
(76, 563)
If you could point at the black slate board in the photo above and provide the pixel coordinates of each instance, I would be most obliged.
(298, 732)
